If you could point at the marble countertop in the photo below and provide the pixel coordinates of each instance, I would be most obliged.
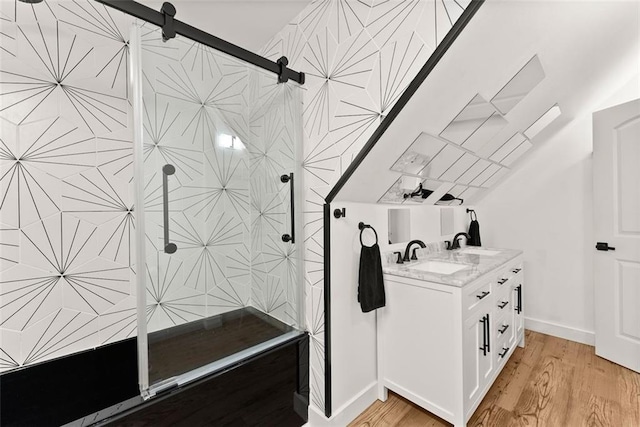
(475, 265)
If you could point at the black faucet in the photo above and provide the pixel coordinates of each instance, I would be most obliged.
(455, 244)
(406, 251)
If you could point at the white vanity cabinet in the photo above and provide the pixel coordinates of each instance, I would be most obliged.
(441, 346)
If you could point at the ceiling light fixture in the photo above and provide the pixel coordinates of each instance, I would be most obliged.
(544, 121)
(31, 1)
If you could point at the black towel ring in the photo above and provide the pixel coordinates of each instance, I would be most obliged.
(472, 214)
(362, 227)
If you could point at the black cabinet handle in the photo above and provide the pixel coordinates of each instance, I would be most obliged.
(166, 171)
(518, 307)
(488, 335)
(502, 281)
(519, 299)
(516, 270)
(503, 304)
(484, 335)
(504, 352)
(290, 237)
(503, 329)
(482, 295)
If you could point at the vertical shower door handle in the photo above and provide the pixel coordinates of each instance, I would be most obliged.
(166, 171)
(290, 237)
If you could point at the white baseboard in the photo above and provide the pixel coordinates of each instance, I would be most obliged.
(561, 331)
(348, 412)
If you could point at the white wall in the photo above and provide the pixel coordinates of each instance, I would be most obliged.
(353, 333)
(545, 208)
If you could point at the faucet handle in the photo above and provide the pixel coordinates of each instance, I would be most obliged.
(448, 242)
(399, 260)
(413, 254)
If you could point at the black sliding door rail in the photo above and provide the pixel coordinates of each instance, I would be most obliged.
(152, 16)
(412, 88)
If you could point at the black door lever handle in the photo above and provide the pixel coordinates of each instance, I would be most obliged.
(604, 246)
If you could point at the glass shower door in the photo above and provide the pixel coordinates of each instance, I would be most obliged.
(216, 158)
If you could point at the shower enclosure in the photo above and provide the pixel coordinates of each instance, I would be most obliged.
(216, 153)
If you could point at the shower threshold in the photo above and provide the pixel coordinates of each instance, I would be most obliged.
(183, 354)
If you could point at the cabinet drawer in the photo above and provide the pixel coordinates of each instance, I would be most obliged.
(509, 274)
(502, 351)
(503, 278)
(515, 272)
(503, 301)
(503, 327)
(476, 295)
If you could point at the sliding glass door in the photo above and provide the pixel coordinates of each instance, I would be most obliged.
(216, 178)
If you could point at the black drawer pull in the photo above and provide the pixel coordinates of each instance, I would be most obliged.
(516, 270)
(482, 295)
(503, 304)
(504, 352)
(502, 281)
(503, 329)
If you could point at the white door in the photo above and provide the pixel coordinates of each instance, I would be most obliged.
(616, 175)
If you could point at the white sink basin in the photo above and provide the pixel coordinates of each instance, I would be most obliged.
(439, 267)
(484, 252)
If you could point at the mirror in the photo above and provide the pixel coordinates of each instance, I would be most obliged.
(396, 193)
(472, 116)
(419, 155)
(494, 124)
(425, 191)
(446, 221)
(519, 86)
(399, 225)
(511, 150)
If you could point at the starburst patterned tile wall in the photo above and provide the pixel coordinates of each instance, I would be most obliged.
(66, 211)
(358, 56)
(67, 216)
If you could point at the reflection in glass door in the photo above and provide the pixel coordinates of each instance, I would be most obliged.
(216, 159)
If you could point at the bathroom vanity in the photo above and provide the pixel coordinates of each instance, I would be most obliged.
(452, 320)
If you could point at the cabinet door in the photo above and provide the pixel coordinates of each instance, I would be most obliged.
(486, 361)
(478, 363)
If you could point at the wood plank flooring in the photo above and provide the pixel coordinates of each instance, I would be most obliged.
(551, 382)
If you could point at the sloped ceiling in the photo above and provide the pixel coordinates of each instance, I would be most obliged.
(581, 46)
(246, 23)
